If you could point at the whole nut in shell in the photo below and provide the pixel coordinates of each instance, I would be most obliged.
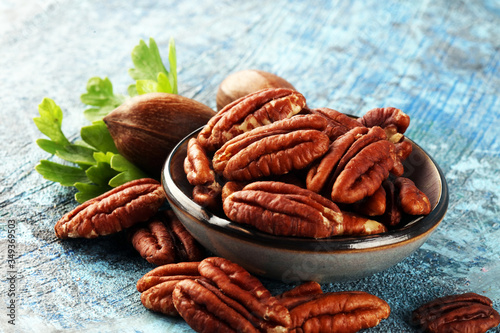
(147, 127)
(247, 81)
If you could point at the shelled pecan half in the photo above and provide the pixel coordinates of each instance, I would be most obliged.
(197, 165)
(274, 149)
(338, 123)
(373, 205)
(236, 283)
(348, 311)
(357, 225)
(300, 294)
(256, 109)
(411, 200)
(387, 118)
(113, 211)
(153, 241)
(205, 312)
(208, 196)
(469, 312)
(283, 209)
(156, 286)
(164, 240)
(355, 165)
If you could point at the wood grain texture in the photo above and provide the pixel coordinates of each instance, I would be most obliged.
(436, 60)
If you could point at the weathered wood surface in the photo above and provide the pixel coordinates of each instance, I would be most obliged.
(436, 60)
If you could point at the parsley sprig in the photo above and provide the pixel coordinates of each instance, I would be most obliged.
(93, 165)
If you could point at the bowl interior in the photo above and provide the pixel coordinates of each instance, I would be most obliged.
(419, 166)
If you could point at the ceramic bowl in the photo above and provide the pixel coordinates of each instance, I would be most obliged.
(292, 259)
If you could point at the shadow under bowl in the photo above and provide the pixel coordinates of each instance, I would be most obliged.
(293, 259)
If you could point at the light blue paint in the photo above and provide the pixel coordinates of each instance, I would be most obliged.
(438, 61)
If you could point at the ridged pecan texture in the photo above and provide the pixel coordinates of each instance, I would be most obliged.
(275, 149)
(228, 299)
(257, 109)
(284, 209)
(339, 312)
(469, 312)
(355, 165)
(164, 240)
(113, 211)
(156, 286)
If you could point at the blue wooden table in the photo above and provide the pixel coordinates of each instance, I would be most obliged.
(436, 60)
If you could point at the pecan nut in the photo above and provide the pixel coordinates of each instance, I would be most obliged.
(275, 149)
(300, 294)
(156, 287)
(153, 241)
(393, 213)
(283, 209)
(364, 173)
(354, 224)
(467, 312)
(386, 118)
(354, 166)
(411, 199)
(208, 196)
(197, 166)
(319, 174)
(339, 312)
(235, 282)
(205, 312)
(373, 205)
(117, 209)
(164, 240)
(160, 274)
(257, 109)
(338, 123)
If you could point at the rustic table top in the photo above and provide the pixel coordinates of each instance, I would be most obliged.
(436, 60)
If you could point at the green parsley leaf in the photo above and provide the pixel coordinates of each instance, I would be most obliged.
(64, 174)
(76, 154)
(128, 171)
(89, 191)
(100, 93)
(172, 59)
(147, 61)
(98, 166)
(97, 136)
(50, 121)
(150, 72)
(49, 146)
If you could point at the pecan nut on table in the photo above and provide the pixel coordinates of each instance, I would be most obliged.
(469, 312)
(113, 211)
(217, 295)
(164, 240)
(346, 171)
(158, 236)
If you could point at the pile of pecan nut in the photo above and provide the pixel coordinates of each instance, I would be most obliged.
(269, 161)
(216, 295)
(284, 167)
